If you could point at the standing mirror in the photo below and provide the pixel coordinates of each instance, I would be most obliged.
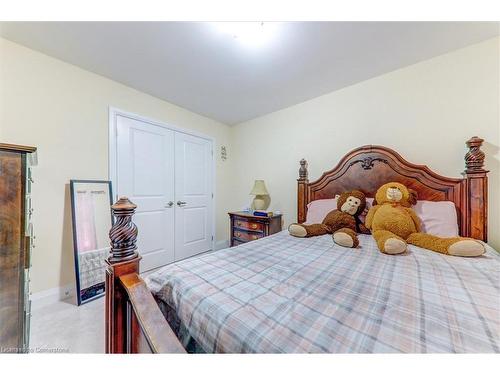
(91, 212)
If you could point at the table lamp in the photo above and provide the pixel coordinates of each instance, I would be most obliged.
(260, 191)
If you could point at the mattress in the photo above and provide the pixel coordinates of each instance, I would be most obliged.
(283, 294)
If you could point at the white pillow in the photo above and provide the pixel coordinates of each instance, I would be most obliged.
(318, 209)
(437, 218)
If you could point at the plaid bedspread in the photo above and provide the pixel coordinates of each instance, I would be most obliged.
(295, 295)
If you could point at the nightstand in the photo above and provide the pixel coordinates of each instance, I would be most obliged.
(246, 227)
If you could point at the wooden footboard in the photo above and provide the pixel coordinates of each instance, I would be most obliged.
(134, 322)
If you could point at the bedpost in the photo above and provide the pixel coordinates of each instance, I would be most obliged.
(302, 192)
(134, 322)
(476, 225)
(123, 260)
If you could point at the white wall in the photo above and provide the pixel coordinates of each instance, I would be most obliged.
(63, 110)
(425, 111)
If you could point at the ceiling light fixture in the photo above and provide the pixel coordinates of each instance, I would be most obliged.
(249, 34)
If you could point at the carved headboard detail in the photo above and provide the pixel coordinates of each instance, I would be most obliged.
(368, 167)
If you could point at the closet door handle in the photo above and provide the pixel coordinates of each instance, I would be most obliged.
(169, 204)
(181, 203)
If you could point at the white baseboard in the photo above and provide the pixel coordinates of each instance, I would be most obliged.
(66, 292)
(219, 245)
(45, 297)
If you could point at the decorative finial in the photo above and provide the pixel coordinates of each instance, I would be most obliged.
(474, 159)
(303, 170)
(123, 234)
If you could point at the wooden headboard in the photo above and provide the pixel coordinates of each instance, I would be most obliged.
(368, 167)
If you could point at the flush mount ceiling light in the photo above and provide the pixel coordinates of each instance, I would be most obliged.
(249, 34)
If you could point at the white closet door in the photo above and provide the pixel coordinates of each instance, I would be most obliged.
(145, 173)
(193, 191)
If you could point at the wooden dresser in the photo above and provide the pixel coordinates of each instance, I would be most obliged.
(246, 227)
(16, 235)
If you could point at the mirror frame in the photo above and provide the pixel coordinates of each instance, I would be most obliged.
(81, 301)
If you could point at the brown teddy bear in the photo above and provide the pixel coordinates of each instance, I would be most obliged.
(343, 222)
(394, 225)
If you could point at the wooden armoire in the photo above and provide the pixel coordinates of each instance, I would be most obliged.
(16, 241)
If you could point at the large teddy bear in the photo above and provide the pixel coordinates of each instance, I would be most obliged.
(394, 224)
(343, 222)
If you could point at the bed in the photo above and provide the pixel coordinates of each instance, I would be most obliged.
(307, 295)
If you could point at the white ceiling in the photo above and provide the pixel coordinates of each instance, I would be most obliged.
(196, 67)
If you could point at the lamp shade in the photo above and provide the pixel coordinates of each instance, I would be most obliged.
(259, 188)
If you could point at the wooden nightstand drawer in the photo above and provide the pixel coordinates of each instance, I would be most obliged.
(245, 227)
(247, 236)
(249, 225)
